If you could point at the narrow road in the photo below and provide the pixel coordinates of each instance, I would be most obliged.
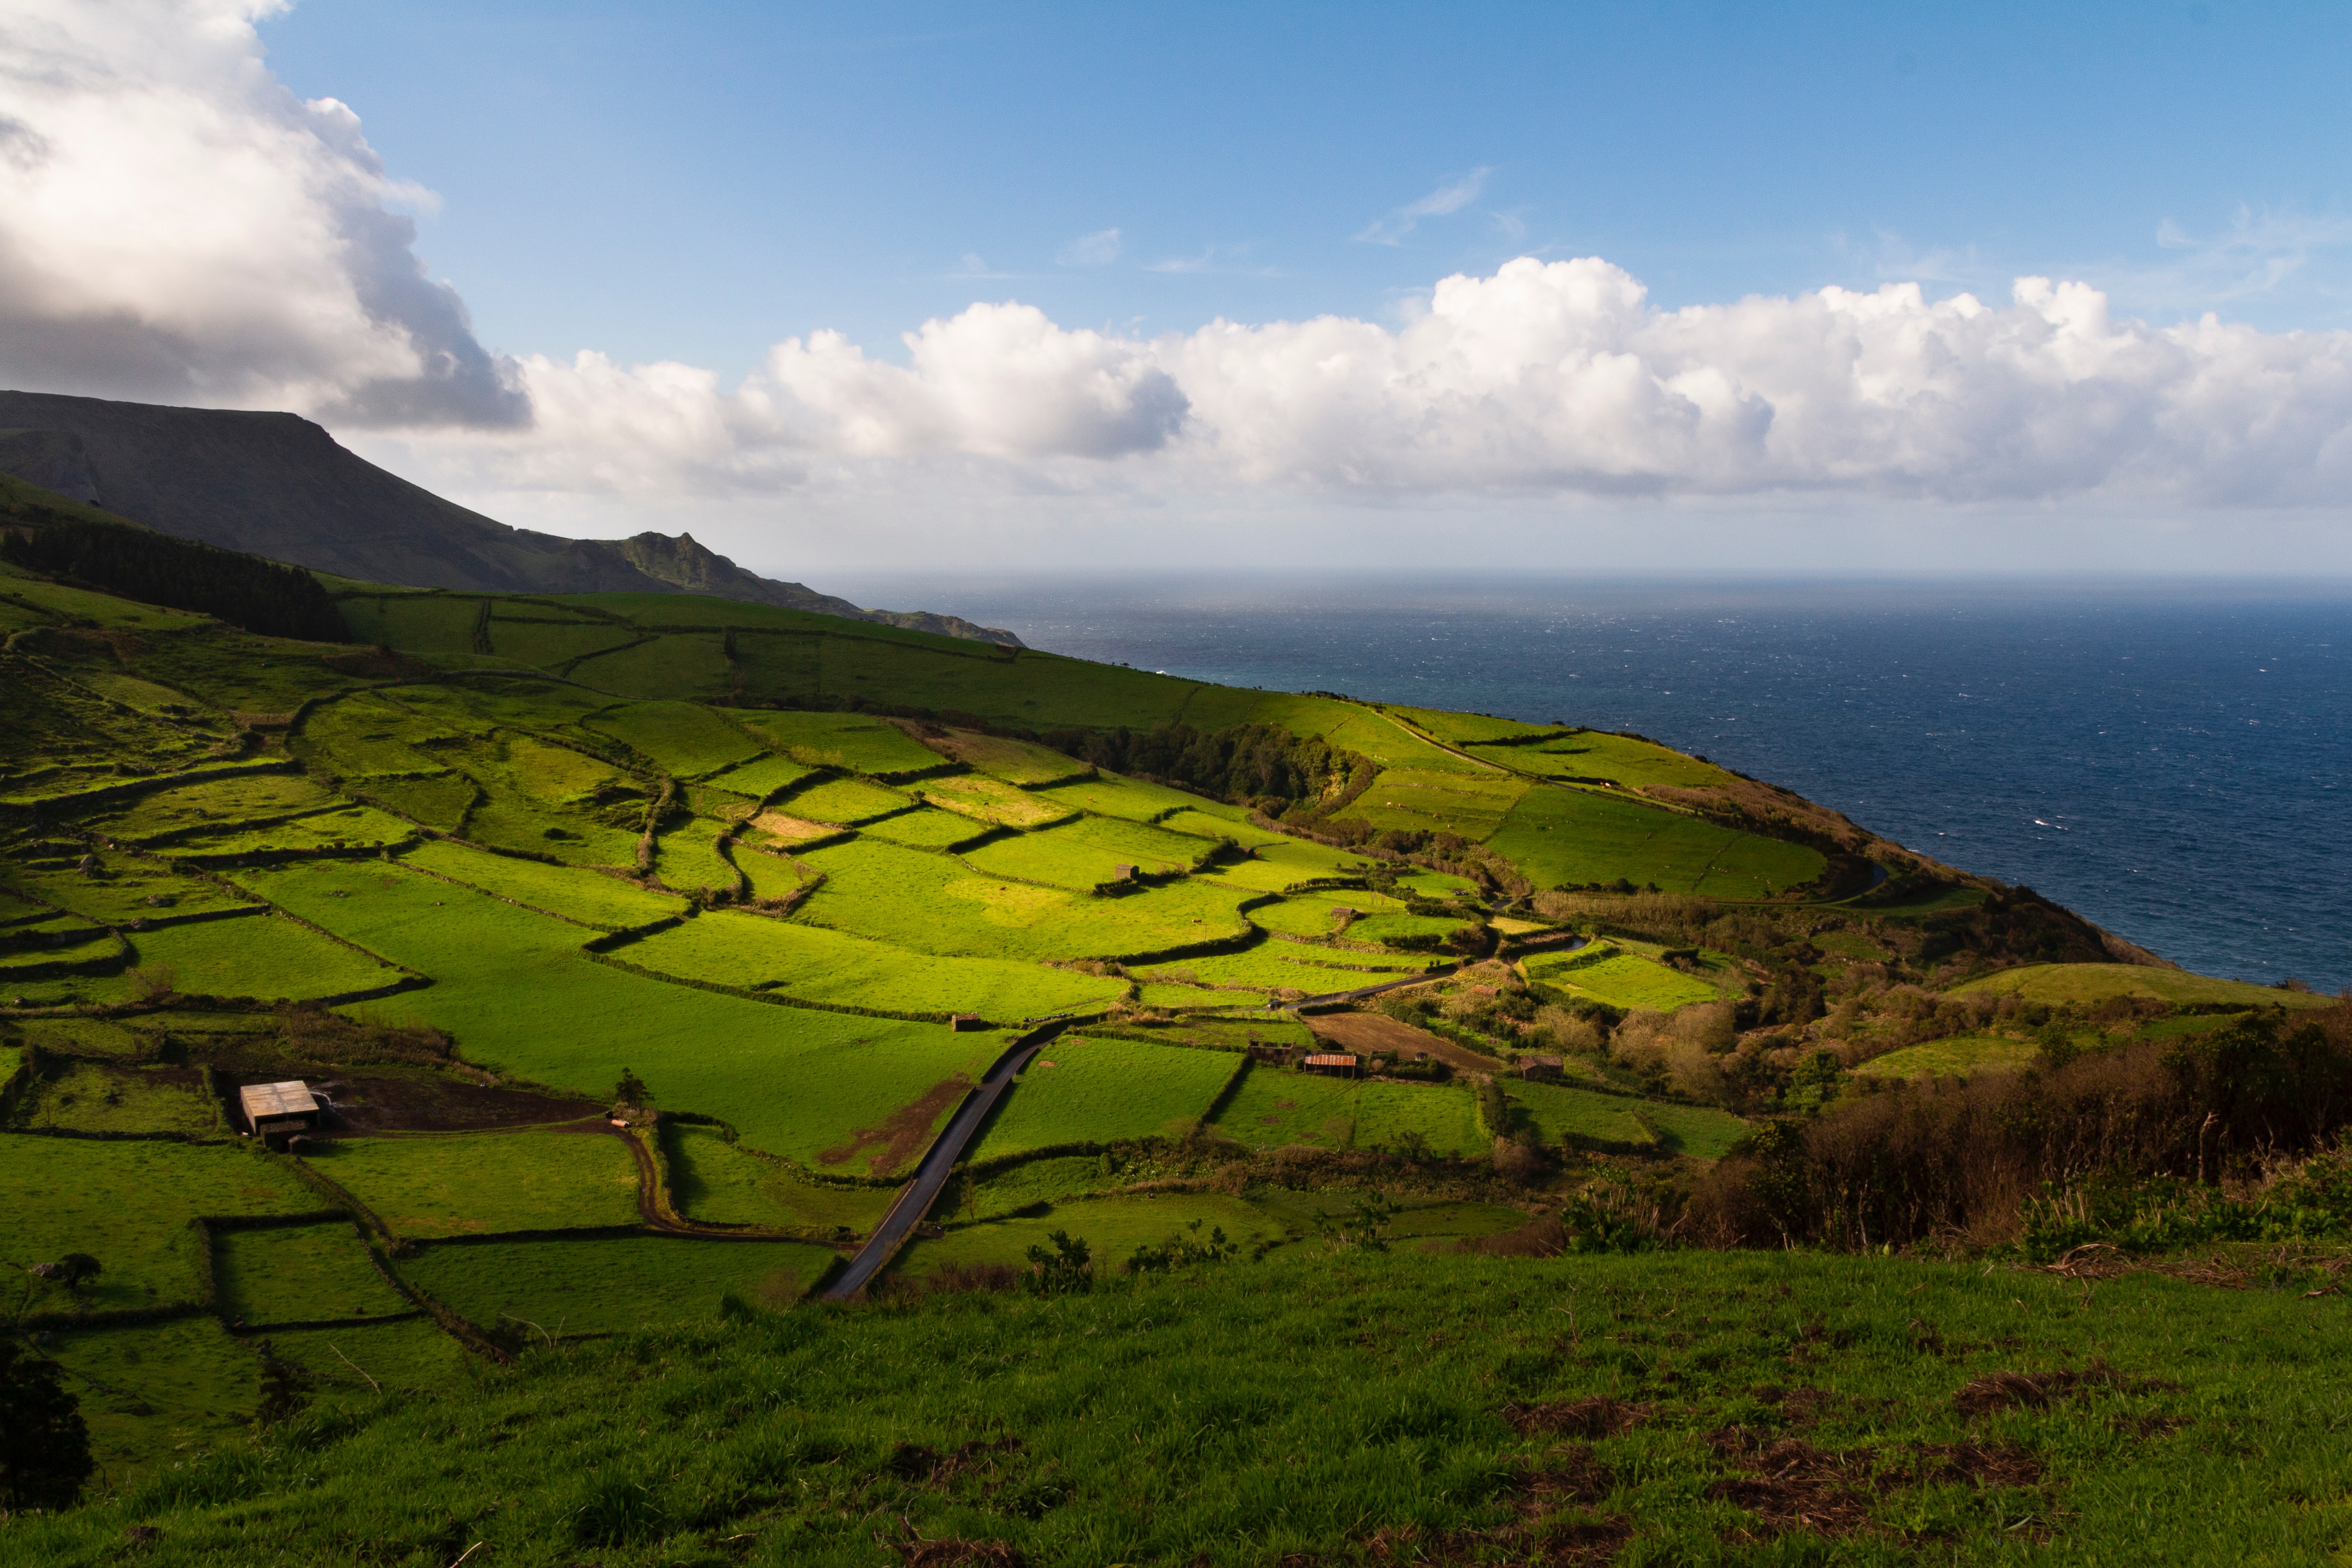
(915, 1199)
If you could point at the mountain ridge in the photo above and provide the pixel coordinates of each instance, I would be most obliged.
(277, 485)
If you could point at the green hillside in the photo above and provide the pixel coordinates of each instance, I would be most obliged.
(643, 946)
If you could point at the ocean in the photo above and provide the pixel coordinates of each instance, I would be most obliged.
(2171, 760)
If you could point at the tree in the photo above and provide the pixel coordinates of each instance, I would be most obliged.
(76, 1266)
(631, 1089)
(44, 1443)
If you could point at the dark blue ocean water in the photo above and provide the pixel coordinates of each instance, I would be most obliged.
(2174, 760)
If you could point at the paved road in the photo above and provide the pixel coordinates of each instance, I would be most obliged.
(915, 1199)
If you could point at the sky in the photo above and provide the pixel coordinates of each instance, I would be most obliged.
(1334, 287)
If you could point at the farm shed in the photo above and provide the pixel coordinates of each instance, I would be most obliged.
(276, 1109)
(1542, 1069)
(1334, 1064)
(964, 1023)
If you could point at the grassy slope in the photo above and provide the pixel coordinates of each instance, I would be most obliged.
(1311, 1405)
(2097, 981)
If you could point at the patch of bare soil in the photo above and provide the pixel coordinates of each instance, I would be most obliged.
(904, 1134)
(794, 828)
(1367, 1032)
(422, 1104)
(1599, 1416)
(947, 1552)
(1998, 1391)
(1789, 1484)
(1544, 1238)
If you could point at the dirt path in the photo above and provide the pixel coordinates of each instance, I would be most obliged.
(1364, 1033)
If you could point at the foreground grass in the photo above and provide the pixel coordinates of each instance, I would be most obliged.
(1788, 1408)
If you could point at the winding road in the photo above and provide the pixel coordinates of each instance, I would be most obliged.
(915, 1199)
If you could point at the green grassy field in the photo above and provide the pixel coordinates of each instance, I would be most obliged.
(1555, 753)
(683, 739)
(300, 1274)
(605, 1285)
(2054, 983)
(1086, 852)
(156, 1396)
(761, 776)
(1099, 1091)
(413, 1357)
(591, 897)
(678, 665)
(1112, 795)
(992, 802)
(849, 741)
(1443, 1117)
(1959, 1057)
(926, 828)
(1272, 1108)
(811, 963)
(930, 903)
(1564, 837)
(1020, 761)
(1470, 803)
(128, 1204)
(486, 1183)
(1296, 966)
(91, 1097)
(718, 1183)
(1113, 1227)
(1622, 979)
(257, 957)
(845, 801)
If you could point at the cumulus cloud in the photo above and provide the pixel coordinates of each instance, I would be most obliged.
(177, 226)
(1542, 378)
(1449, 197)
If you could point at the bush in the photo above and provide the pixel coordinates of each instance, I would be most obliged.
(44, 1444)
(1942, 1160)
(262, 597)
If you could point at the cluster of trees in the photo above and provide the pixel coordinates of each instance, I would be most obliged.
(1264, 765)
(262, 597)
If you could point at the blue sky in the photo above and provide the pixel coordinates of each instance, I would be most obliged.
(699, 180)
(1646, 286)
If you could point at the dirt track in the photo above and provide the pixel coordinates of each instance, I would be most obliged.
(1366, 1032)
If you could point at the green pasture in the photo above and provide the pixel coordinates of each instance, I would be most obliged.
(1387, 927)
(684, 739)
(718, 1183)
(552, 645)
(1211, 819)
(686, 857)
(771, 875)
(1281, 863)
(811, 963)
(1100, 1090)
(1701, 1132)
(158, 1396)
(92, 1097)
(853, 743)
(1110, 795)
(761, 776)
(1019, 762)
(128, 1204)
(1274, 1108)
(415, 1357)
(2085, 983)
(1086, 852)
(256, 956)
(1113, 1226)
(1430, 1221)
(609, 1285)
(1957, 1056)
(846, 801)
(298, 1274)
(485, 1182)
(1576, 754)
(144, 695)
(591, 897)
(693, 667)
(1557, 1112)
(1622, 979)
(221, 802)
(1356, 729)
(926, 828)
(85, 606)
(1230, 1031)
(353, 828)
(988, 800)
(413, 623)
(1317, 914)
(440, 802)
(1282, 965)
(930, 903)
(1048, 1178)
(1443, 1117)
(1428, 800)
(795, 1081)
(1564, 837)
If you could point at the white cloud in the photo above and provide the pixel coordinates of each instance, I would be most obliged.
(1099, 248)
(1556, 378)
(176, 225)
(1449, 197)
